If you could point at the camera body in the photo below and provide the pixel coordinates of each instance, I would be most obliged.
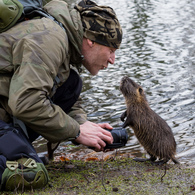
(120, 138)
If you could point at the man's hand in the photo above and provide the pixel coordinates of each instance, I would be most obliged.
(94, 135)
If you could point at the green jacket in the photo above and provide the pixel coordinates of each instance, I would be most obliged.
(32, 53)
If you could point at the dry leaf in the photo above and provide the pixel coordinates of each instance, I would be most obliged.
(63, 158)
(92, 159)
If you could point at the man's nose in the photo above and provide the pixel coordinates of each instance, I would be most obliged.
(112, 58)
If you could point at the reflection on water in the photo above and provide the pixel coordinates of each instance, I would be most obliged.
(157, 52)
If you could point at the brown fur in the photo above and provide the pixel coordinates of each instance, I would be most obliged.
(151, 130)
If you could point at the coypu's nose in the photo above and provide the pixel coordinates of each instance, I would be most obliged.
(128, 80)
(124, 83)
(124, 79)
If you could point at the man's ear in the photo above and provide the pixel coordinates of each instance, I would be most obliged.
(90, 43)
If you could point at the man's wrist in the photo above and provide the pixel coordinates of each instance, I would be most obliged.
(73, 139)
(77, 134)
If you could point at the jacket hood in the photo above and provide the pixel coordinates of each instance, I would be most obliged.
(71, 21)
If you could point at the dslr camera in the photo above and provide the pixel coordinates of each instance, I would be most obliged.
(120, 138)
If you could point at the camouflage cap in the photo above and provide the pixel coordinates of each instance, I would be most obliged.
(100, 23)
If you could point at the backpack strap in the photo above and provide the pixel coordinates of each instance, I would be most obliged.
(35, 12)
(43, 13)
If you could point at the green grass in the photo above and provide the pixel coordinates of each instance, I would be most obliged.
(123, 176)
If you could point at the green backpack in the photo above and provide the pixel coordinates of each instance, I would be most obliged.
(20, 166)
(13, 11)
(24, 174)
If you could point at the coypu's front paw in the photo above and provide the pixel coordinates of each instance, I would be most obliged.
(123, 116)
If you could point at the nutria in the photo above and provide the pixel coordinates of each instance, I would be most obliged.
(151, 130)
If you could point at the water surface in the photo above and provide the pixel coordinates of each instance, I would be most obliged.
(158, 52)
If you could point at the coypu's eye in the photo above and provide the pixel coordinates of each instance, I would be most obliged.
(140, 90)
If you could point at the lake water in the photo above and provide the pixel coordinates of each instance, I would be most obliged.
(158, 52)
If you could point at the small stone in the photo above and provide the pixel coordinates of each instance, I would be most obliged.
(115, 189)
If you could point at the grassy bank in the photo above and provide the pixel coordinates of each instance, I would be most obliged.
(122, 176)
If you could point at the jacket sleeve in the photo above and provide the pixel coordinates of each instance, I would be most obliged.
(37, 58)
(78, 113)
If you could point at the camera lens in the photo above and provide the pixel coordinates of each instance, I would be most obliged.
(120, 138)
